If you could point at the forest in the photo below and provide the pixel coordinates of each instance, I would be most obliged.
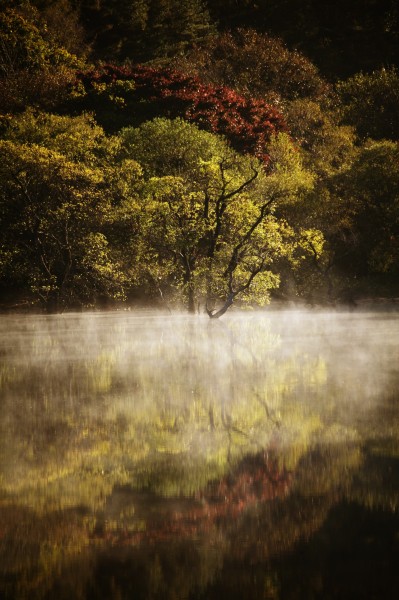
(198, 154)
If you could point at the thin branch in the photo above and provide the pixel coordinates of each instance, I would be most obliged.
(233, 263)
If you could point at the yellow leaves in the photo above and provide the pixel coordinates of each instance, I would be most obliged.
(78, 138)
(39, 164)
(174, 212)
(312, 241)
(206, 199)
(259, 291)
(164, 188)
(100, 374)
(288, 178)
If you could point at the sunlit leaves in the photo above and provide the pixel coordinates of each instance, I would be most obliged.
(49, 224)
(248, 123)
(207, 211)
(78, 138)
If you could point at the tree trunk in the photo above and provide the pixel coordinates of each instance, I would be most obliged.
(215, 314)
(191, 298)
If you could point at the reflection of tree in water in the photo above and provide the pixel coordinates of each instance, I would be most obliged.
(148, 546)
(35, 549)
(259, 488)
(257, 479)
(231, 451)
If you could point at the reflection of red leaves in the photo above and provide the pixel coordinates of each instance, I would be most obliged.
(257, 480)
(247, 123)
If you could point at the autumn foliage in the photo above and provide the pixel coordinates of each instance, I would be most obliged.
(247, 123)
(257, 480)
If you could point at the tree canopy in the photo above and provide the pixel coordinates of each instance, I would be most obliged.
(209, 220)
(212, 159)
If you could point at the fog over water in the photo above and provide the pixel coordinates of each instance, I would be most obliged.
(178, 358)
(240, 439)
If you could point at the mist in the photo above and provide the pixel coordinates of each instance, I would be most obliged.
(198, 374)
(132, 433)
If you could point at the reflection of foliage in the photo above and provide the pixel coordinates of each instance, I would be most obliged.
(255, 480)
(377, 483)
(34, 550)
(236, 435)
(352, 555)
(162, 572)
(112, 418)
(336, 463)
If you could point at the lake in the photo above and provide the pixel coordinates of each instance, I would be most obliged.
(150, 456)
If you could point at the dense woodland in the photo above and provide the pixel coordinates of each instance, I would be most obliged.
(198, 154)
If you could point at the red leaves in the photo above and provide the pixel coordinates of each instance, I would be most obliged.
(258, 479)
(247, 123)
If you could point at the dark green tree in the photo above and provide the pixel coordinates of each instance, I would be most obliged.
(370, 103)
(145, 30)
(256, 64)
(340, 37)
(371, 191)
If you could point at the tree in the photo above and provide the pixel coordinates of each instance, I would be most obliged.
(133, 95)
(355, 205)
(59, 200)
(80, 138)
(62, 27)
(371, 189)
(369, 102)
(210, 232)
(340, 37)
(34, 69)
(254, 64)
(328, 150)
(146, 30)
(173, 26)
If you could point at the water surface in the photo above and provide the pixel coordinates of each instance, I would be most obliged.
(152, 456)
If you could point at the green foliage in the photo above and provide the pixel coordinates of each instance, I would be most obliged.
(254, 64)
(79, 138)
(371, 188)
(196, 218)
(208, 217)
(328, 150)
(146, 30)
(43, 44)
(34, 68)
(369, 102)
(58, 193)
